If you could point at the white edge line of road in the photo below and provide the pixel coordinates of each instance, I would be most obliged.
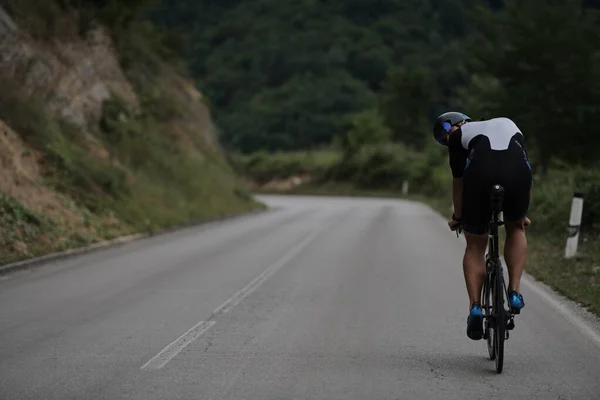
(577, 315)
(570, 310)
(175, 347)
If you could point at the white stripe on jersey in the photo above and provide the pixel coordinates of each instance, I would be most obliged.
(498, 130)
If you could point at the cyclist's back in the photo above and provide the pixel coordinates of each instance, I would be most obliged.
(498, 131)
(485, 153)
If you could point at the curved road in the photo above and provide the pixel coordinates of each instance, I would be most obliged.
(320, 298)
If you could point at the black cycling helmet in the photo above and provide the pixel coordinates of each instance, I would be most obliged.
(444, 123)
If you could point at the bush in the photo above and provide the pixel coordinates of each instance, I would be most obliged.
(12, 212)
(387, 166)
(114, 113)
(552, 196)
(263, 166)
(18, 224)
(25, 115)
(549, 210)
(361, 129)
(588, 182)
(381, 168)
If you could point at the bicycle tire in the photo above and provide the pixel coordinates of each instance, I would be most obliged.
(500, 316)
(488, 331)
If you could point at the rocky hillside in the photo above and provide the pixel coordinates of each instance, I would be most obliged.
(100, 136)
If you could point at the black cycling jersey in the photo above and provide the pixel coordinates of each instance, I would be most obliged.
(499, 132)
(486, 153)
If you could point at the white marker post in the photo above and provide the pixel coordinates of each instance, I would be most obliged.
(405, 188)
(574, 225)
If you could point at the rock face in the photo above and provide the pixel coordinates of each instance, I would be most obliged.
(119, 172)
(73, 76)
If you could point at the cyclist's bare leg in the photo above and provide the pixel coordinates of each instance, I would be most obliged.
(474, 265)
(515, 251)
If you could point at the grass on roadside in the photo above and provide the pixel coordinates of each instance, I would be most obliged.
(577, 278)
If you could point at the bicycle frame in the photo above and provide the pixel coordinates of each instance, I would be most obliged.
(493, 241)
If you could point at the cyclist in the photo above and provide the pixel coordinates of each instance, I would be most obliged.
(481, 154)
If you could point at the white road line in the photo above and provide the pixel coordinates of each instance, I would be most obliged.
(570, 315)
(169, 352)
(162, 358)
(252, 286)
(566, 311)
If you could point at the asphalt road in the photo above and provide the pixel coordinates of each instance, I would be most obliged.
(319, 298)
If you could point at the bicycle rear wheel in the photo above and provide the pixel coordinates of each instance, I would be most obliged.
(500, 317)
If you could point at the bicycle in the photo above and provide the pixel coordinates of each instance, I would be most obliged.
(499, 317)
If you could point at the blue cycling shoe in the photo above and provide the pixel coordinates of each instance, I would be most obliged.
(475, 323)
(516, 301)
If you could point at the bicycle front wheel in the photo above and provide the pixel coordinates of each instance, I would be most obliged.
(488, 332)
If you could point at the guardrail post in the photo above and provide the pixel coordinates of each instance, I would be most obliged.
(405, 188)
(574, 225)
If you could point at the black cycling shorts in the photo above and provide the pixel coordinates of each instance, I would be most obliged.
(485, 168)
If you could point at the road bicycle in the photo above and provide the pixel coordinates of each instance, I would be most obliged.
(499, 317)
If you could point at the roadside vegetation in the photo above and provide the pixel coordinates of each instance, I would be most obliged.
(136, 169)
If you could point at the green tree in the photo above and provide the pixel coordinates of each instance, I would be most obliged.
(251, 59)
(306, 112)
(406, 103)
(362, 129)
(548, 78)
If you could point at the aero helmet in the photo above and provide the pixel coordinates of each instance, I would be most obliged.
(444, 123)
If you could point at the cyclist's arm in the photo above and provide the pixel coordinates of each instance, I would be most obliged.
(522, 144)
(458, 161)
(457, 196)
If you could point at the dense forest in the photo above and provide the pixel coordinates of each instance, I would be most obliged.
(295, 75)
